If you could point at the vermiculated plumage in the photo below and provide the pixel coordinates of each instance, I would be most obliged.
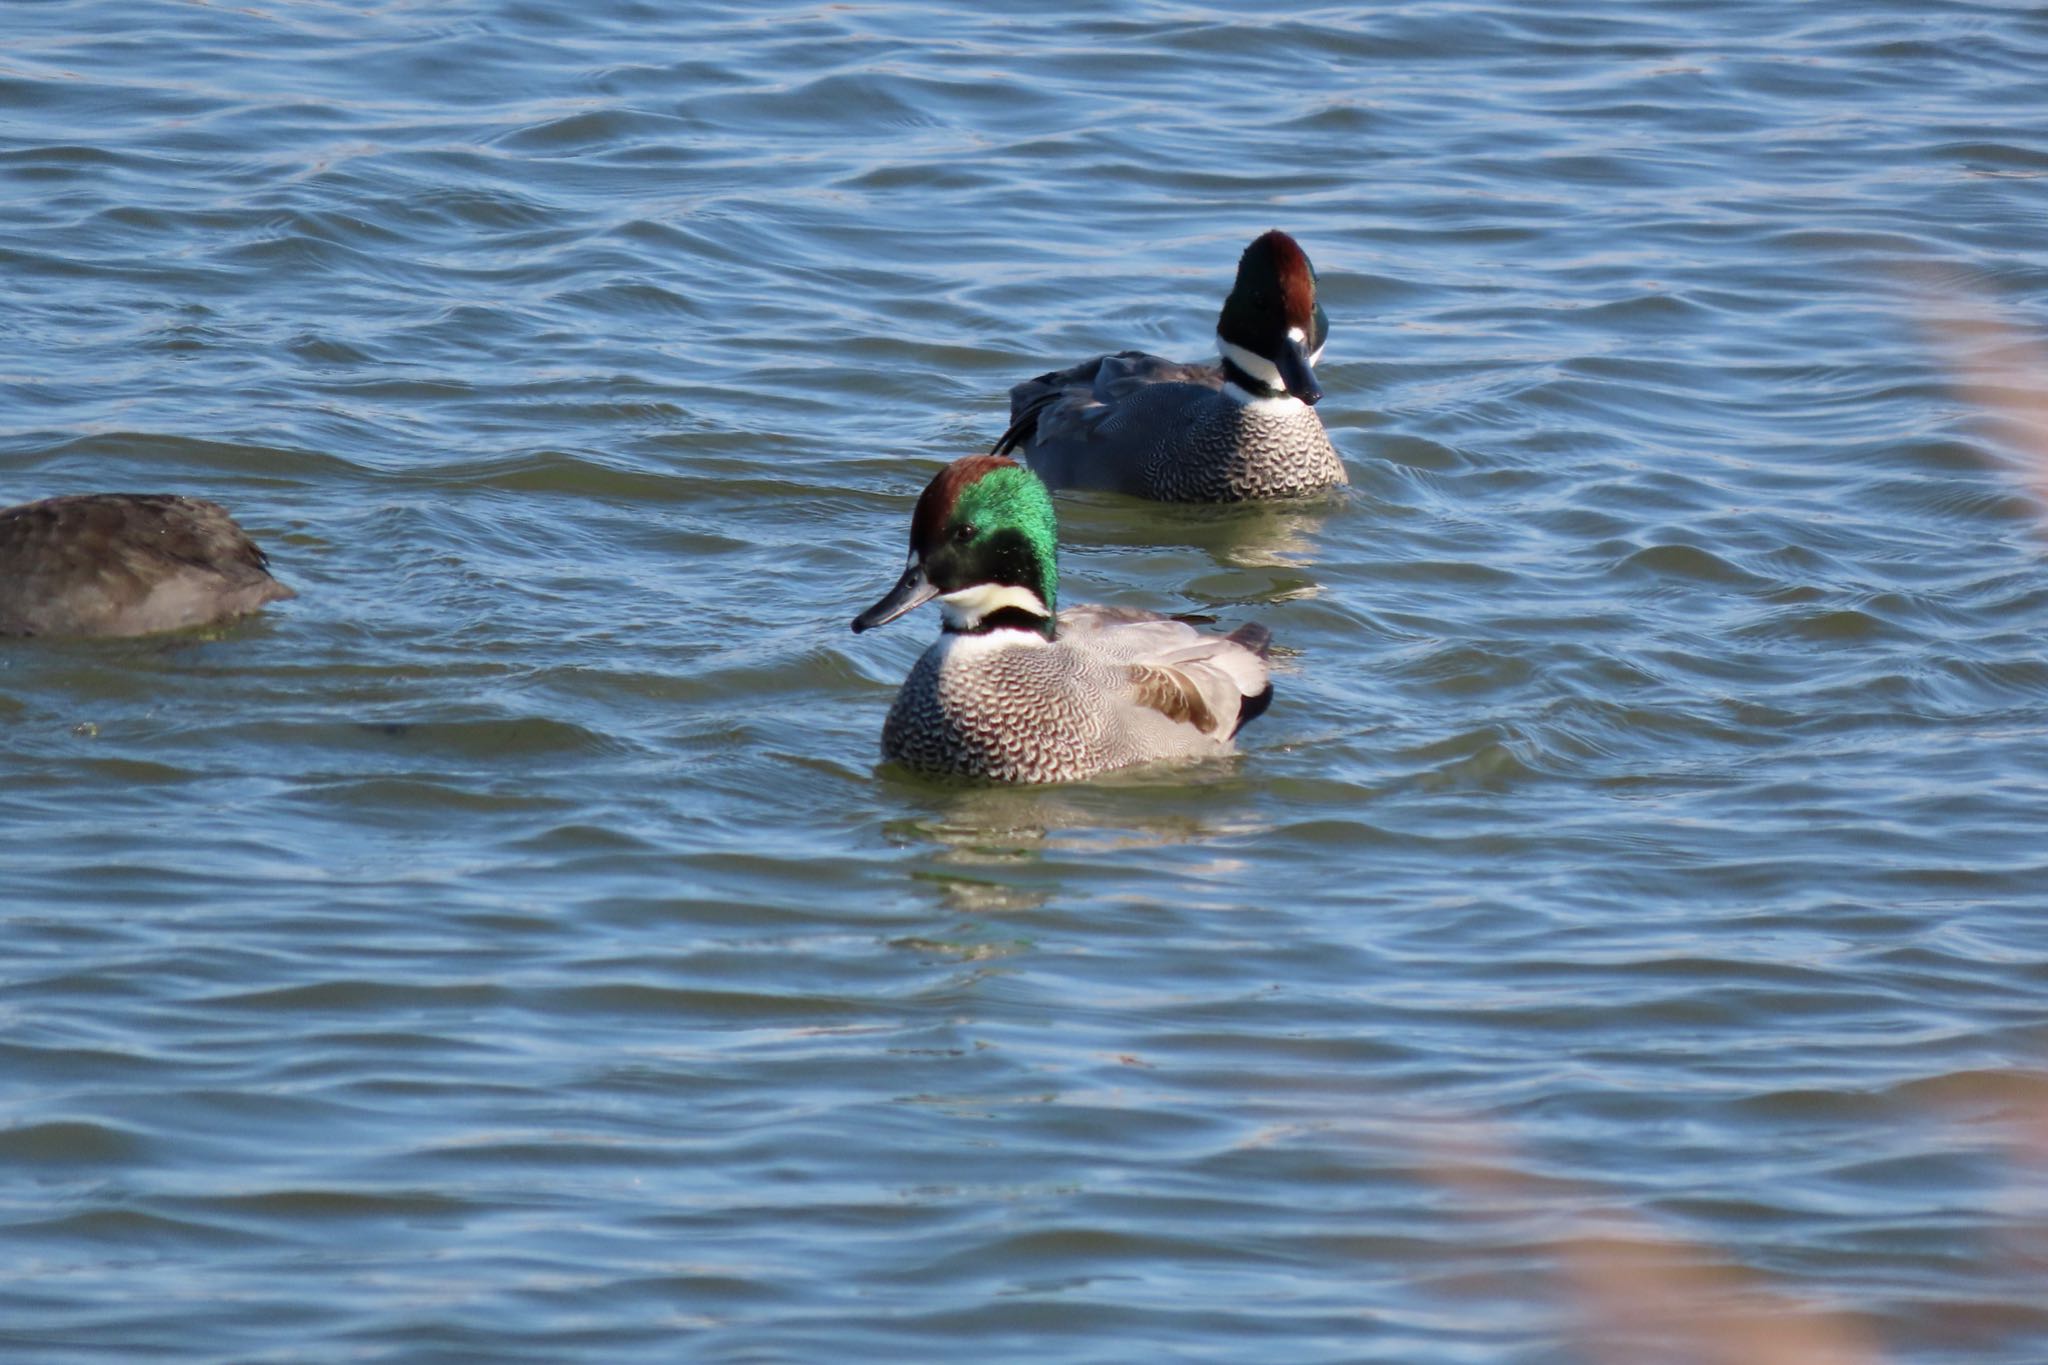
(1012, 708)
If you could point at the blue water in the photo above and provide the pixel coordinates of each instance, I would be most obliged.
(1625, 939)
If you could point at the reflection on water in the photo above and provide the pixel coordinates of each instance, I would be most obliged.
(994, 850)
(1283, 535)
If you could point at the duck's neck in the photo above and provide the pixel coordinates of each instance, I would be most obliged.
(1014, 619)
(988, 607)
(1249, 372)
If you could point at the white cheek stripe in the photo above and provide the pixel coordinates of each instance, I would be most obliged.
(1257, 366)
(966, 608)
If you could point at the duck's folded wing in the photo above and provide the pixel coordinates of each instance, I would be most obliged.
(1214, 682)
(1066, 406)
(1173, 694)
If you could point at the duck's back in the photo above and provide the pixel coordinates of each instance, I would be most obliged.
(126, 564)
(1156, 428)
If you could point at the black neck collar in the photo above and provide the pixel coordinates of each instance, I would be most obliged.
(1257, 388)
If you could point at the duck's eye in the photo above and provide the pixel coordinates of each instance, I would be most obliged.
(964, 532)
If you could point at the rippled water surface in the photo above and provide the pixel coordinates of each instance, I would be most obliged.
(1625, 937)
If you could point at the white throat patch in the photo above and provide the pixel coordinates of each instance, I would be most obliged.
(967, 608)
(1263, 370)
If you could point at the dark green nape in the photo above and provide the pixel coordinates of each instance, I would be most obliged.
(1011, 498)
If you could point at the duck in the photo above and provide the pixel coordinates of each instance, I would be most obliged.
(110, 564)
(1016, 690)
(1239, 428)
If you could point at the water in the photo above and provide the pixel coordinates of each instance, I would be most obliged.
(1623, 938)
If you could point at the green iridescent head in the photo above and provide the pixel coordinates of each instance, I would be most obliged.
(982, 542)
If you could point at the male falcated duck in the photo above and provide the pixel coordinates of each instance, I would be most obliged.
(1012, 692)
(126, 564)
(1242, 427)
